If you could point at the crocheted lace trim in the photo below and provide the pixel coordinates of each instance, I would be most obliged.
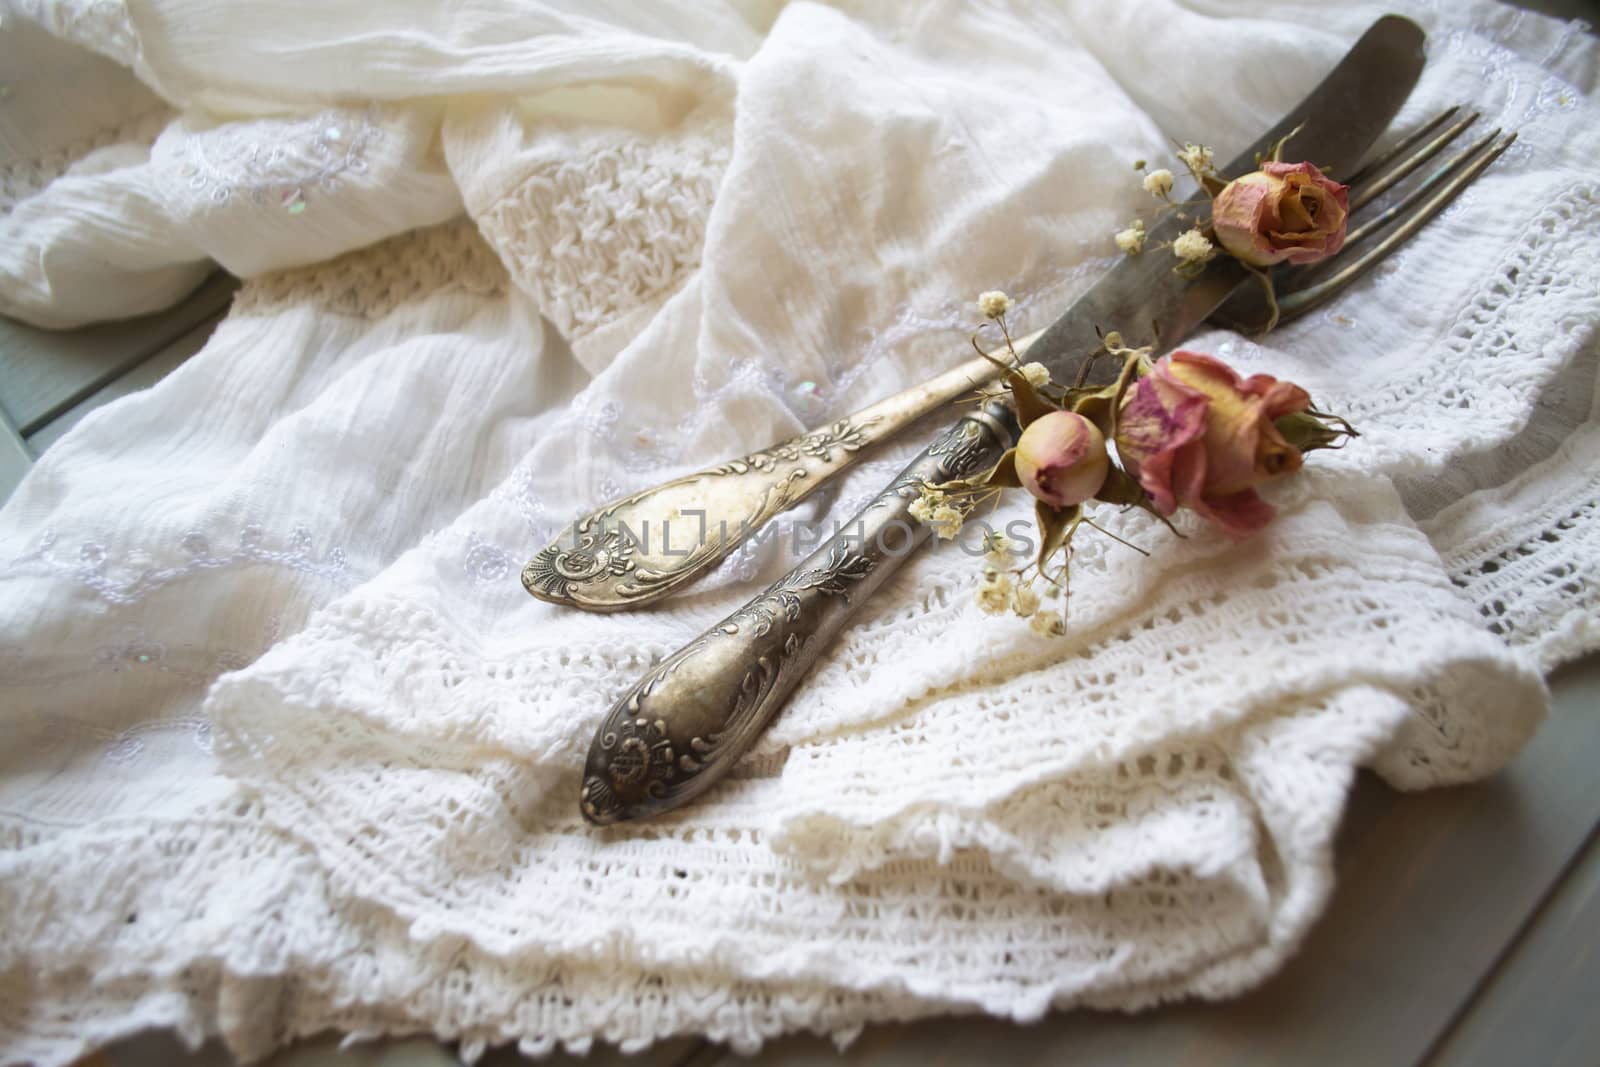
(371, 282)
(1047, 886)
(592, 237)
(1526, 559)
(1530, 571)
(21, 179)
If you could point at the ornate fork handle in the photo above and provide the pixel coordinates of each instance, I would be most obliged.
(674, 733)
(638, 549)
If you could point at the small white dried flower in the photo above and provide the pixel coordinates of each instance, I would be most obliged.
(993, 304)
(997, 552)
(1158, 183)
(1131, 240)
(1112, 341)
(922, 508)
(1192, 247)
(994, 595)
(1197, 157)
(1036, 374)
(1047, 624)
(946, 522)
(1024, 601)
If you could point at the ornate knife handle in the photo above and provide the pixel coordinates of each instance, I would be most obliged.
(683, 725)
(636, 550)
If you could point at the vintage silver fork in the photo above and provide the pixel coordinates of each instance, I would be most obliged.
(680, 728)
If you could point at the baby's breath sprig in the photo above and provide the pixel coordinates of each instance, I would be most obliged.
(1195, 247)
(994, 304)
(1090, 412)
(1131, 239)
(1198, 160)
(1158, 183)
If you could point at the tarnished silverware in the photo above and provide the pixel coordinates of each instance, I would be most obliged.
(683, 725)
(646, 545)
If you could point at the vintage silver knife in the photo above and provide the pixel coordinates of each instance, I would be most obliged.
(679, 729)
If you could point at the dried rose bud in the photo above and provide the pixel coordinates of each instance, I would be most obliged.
(1061, 458)
(1199, 436)
(1284, 212)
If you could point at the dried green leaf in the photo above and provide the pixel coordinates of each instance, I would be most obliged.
(1100, 404)
(1309, 431)
(1275, 153)
(1004, 473)
(1096, 407)
(1121, 488)
(1150, 505)
(1031, 404)
(1056, 527)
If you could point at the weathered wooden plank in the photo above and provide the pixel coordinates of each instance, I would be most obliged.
(1433, 887)
(661, 1054)
(1539, 1005)
(155, 1049)
(158, 1049)
(15, 458)
(141, 376)
(44, 373)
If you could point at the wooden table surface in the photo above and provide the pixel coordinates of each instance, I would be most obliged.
(1463, 929)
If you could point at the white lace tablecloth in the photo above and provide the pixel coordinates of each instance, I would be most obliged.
(284, 746)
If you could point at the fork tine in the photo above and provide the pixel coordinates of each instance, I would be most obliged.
(1376, 187)
(1415, 196)
(1365, 174)
(1301, 301)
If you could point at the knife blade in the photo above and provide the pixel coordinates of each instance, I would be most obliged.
(682, 726)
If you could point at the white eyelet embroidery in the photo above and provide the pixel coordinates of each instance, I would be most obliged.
(276, 163)
(137, 574)
(488, 564)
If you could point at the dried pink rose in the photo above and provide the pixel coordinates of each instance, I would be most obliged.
(1282, 213)
(1199, 436)
(1061, 458)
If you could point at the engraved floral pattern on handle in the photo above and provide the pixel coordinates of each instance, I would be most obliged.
(606, 560)
(646, 545)
(682, 726)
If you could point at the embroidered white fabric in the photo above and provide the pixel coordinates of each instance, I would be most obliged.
(285, 745)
